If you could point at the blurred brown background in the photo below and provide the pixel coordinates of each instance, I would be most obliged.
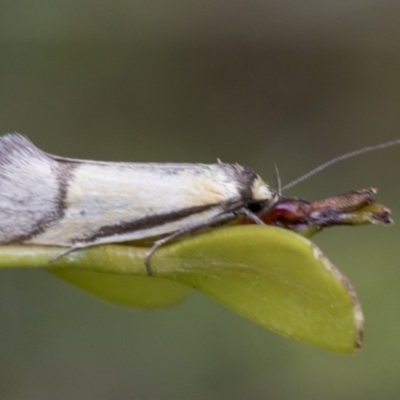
(254, 82)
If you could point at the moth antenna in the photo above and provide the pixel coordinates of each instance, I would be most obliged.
(278, 181)
(341, 158)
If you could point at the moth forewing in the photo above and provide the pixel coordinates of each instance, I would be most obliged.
(50, 200)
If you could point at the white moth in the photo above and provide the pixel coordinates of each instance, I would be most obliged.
(51, 200)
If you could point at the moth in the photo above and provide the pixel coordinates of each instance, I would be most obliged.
(51, 200)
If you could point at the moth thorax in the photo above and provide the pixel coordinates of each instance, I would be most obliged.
(260, 191)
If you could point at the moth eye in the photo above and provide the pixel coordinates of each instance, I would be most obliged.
(255, 206)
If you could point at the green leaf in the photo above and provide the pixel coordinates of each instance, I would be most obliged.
(269, 275)
(126, 290)
(273, 277)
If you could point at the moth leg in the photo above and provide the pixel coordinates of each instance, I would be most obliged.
(181, 232)
(252, 216)
(68, 251)
(185, 231)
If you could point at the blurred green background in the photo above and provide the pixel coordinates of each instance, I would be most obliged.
(254, 82)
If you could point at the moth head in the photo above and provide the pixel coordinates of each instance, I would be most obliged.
(262, 196)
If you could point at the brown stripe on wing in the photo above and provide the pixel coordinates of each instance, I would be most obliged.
(64, 173)
(152, 221)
